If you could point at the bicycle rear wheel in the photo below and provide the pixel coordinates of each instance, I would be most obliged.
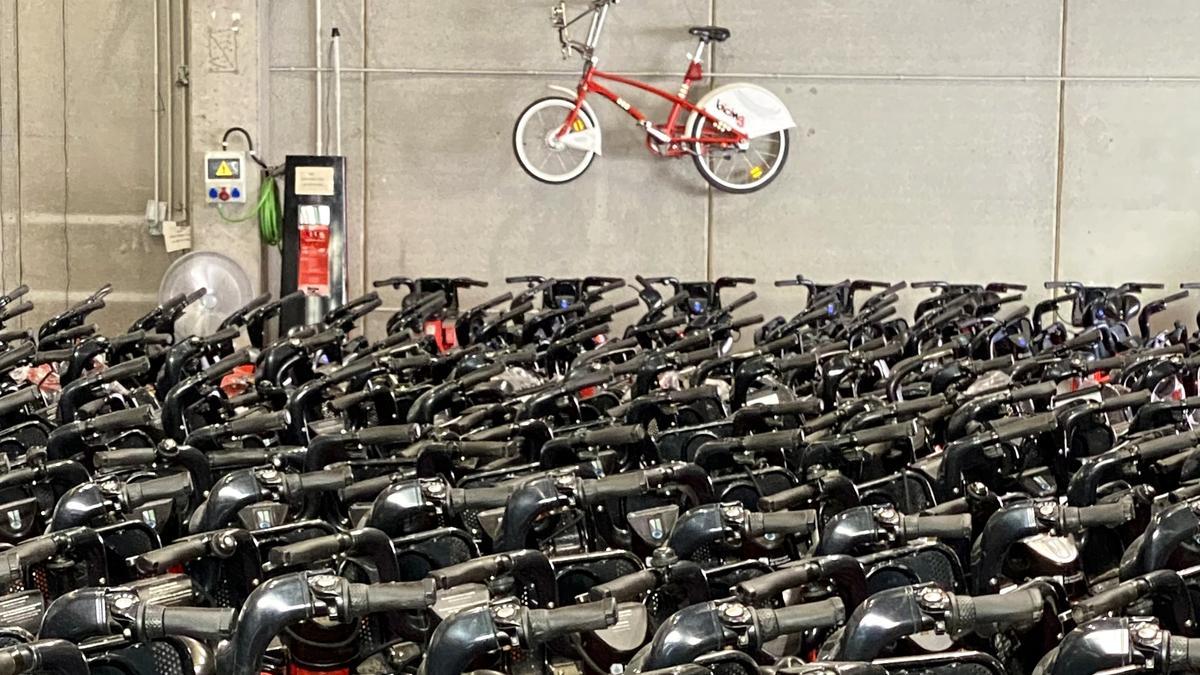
(540, 153)
(740, 170)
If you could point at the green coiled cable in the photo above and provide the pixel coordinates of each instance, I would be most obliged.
(267, 210)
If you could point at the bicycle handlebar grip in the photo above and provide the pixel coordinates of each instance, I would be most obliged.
(262, 423)
(588, 380)
(1183, 654)
(347, 401)
(885, 433)
(480, 376)
(917, 406)
(773, 583)
(14, 560)
(126, 339)
(238, 317)
(882, 353)
(947, 527)
(16, 309)
(740, 302)
(221, 459)
(140, 492)
(122, 419)
(1157, 448)
(1112, 599)
(1077, 519)
(226, 365)
(772, 440)
(626, 588)
(799, 618)
(322, 339)
(746, 321)
(616, 486)
(987, 365)
(123, 458)
(17, 292)
(692, 394)
(487, 449)
(327, 480)
(16, 355)
(179, 552)
(389, 434)
(1030, 392)
(392, 596)
(581, 336)
(1130, 400)
(999, 610)
(619, 435)
(689, 343)
(663, 324)
(781, 344)
(787, 498)
(547, 624)
(477, 570)
(1106, 364)
(202, 623)
(308, 550)
(18, 399)
(365, 490)
(610, 285)
(478, 499)
(132, 368)
(697, 357)
(51, 356)
(1028, 426)
(781, 522)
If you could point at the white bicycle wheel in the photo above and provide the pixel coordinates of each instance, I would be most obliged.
(539, 152)
(740, 170)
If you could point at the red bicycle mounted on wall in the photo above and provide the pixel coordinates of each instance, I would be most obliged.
(737, 134)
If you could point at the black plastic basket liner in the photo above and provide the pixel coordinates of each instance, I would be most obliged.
(917, 564)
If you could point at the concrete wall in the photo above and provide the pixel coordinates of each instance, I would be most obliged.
(938, 139)
(77, 111)
(1011, 139)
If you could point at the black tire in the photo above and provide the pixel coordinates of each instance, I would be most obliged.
(699, 160)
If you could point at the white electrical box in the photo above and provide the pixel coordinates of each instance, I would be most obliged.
(224, 177)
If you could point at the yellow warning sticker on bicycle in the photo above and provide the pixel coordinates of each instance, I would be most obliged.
(578, 125)
(756, 172)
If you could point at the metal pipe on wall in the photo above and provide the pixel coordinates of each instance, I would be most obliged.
(156, 222)
(337, 91)
(320, 108)
(170, 101)
(860, 77)
(183, 82)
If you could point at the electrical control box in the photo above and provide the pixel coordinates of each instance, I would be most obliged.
(224, 177)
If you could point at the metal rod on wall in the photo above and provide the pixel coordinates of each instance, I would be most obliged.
(865, 77)
(337, 91)
(156, 222)
(320, 108)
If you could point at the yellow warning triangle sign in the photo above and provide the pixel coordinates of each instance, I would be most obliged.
(224, 171)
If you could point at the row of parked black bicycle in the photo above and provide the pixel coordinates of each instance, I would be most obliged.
(516, 487)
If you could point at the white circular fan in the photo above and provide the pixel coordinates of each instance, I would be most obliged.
(228, 289)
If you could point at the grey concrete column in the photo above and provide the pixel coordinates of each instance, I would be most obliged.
(10, 158)
(225, 79)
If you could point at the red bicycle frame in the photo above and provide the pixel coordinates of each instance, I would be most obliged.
(590, 83)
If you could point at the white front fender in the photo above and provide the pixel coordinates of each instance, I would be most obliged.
(589, 139)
